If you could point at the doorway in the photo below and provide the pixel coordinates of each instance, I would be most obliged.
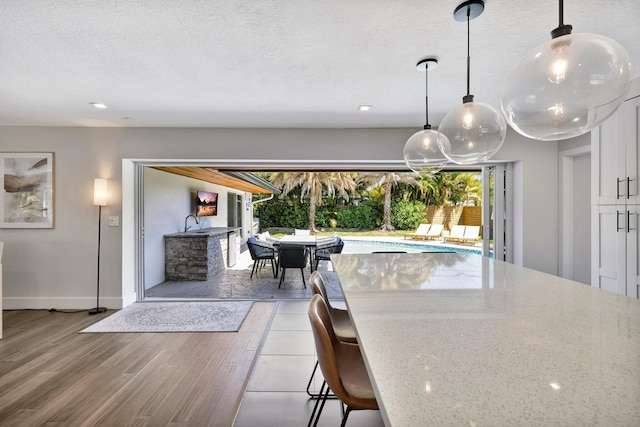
(575, 196)
(137, 177)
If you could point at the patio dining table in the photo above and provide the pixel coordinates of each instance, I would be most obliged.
(308, 242)
(461, 339)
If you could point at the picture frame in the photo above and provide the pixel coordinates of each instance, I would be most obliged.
(27, 197)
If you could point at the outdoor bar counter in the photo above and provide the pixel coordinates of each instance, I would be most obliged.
(199, 254)
(461, 339)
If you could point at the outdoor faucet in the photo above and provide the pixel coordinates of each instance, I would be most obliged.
(187, 219)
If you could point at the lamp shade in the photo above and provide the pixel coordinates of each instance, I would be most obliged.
(422, 152)
(566, 86)
(475, 132)
(100, 192)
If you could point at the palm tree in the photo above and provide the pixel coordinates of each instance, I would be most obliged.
(388, 180)
(313, 184)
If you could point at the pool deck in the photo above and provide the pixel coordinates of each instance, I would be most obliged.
(236, 283)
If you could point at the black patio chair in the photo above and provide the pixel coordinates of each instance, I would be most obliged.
(260, 253)
(292, 256)
(323, 252)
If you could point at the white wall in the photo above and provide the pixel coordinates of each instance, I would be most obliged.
(168, 200)
(57, 268)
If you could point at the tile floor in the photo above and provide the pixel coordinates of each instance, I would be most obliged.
(276, 393)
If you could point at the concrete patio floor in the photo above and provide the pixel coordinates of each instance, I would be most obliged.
(236, 283)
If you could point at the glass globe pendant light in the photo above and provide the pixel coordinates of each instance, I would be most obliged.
(422, 151)
(475, 131)
(566, 86)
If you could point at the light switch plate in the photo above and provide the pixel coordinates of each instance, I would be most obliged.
(114, 221)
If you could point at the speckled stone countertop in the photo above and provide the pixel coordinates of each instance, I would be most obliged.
(463, 340)
(213, 231)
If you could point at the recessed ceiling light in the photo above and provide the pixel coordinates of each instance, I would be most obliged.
(364, 107)
(98, 104)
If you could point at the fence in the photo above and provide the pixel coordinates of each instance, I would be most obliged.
(454, 215)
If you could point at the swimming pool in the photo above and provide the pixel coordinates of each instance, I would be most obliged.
(352, 246)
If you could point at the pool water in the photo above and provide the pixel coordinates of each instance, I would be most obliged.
(369, 246)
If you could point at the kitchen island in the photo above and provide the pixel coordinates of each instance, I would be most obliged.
(460, 339)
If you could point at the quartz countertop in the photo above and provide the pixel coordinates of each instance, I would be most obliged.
(212, 231)
(460, 339)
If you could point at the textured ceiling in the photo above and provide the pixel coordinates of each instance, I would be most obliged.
(269, 63)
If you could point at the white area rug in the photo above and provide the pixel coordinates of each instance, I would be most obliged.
(216, 316)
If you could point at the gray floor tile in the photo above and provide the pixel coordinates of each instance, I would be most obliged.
(298, 343)
(281, 373)
(294, 410)
(291, 322)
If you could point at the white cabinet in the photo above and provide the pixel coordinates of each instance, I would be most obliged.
(615, 256)
(608, 254)
(615, 200)
(633, 251)
(614, 154)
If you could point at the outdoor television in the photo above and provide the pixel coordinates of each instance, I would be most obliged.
(206, 203)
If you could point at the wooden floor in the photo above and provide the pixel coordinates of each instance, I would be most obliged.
(52, 375)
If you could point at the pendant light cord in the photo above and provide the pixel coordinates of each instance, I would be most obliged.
(468, 97)
(426, 100)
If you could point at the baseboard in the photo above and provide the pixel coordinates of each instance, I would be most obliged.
(59, 303)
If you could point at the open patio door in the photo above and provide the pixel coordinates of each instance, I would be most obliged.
(497, 208)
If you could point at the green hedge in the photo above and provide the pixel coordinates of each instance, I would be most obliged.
(285, 214)
(407, 214)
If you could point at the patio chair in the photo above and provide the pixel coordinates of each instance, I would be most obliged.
(420, 232)
(457, 232)
(267, 238)
(434, 232)
(292, 256)
(323, 252)
(471, 234)
(260, 253)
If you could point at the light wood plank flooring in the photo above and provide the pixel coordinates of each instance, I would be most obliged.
(52, 375)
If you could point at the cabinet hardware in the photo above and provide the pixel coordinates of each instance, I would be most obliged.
(628, 223)
(618, 228)
(618, 180)
(628, 191)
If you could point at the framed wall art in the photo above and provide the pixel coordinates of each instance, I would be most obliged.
(28, 189)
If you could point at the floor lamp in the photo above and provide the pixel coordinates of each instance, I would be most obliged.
(100, 200)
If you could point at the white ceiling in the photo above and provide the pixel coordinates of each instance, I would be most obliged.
(269, 63)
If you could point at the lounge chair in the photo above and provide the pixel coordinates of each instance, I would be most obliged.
(457, 233)
(434, 232)
(420, 232)
(471, 234)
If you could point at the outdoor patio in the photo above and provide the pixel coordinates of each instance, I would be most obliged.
(236, 283)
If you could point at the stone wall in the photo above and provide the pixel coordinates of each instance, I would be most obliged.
(194, 257)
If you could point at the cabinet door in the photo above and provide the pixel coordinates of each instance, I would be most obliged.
(633, 251)
(608, 175)
(630, 111)
(608, 248)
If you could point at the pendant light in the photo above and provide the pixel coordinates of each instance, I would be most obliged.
(422, 151)
(566, 86)
(475, 131)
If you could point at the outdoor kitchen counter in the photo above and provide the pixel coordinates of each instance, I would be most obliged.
(199, 254)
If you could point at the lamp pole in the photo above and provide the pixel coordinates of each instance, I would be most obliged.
(100, 199)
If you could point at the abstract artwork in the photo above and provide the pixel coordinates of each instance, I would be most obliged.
(27, 197)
